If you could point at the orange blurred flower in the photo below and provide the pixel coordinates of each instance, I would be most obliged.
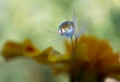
(11, 49)
(94, 60)
(28, 49)
(48, 56)
(14, 49)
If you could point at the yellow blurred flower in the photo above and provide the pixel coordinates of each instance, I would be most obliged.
(29, 49)
(48, 56)
(94, 60)
(13, 49)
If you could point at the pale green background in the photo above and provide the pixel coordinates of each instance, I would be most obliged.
(38, 20)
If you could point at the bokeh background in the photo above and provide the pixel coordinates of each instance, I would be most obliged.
(38, 20)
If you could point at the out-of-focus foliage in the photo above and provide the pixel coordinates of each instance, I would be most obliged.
(39, 20)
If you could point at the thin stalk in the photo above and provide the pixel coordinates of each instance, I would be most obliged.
(75, 46)
(73, 74)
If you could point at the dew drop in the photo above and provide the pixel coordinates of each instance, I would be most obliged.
(66, 29)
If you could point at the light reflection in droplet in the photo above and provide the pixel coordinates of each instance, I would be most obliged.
(66, 29)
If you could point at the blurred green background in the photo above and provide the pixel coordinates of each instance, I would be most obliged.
(38, 20)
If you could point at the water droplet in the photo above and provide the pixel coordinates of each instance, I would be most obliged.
(66, 29)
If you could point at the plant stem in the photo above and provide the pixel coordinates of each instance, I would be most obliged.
(73, 73)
